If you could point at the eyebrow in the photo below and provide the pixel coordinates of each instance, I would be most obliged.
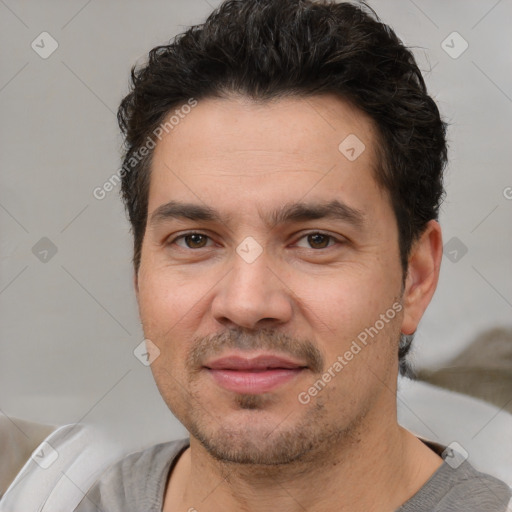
(288, 213)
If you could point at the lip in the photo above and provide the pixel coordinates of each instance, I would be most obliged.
(253, 375)
(254, 363)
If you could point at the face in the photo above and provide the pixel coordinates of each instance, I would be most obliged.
(270, 277)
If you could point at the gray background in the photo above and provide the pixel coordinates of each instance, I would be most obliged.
(69, 322)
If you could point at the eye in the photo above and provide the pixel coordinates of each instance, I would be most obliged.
(195, 240)
(318, 240)
(192, 240)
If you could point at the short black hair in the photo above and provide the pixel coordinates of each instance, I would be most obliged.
(267, 49)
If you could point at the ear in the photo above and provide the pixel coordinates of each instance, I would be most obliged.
(422, 275)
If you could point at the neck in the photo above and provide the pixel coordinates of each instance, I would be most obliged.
(374, 467)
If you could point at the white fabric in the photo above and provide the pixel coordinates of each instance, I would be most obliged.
(483, 430)
(70, 459)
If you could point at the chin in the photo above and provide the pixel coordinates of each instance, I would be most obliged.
(254, 437)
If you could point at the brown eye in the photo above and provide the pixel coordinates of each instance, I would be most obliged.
(318, 241)
(195, 241)
(192, 241)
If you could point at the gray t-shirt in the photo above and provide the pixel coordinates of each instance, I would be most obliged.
(137, 484)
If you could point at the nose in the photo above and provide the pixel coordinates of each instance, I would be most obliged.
(253, 296)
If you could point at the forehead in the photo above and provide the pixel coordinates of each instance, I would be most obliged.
(253, 155)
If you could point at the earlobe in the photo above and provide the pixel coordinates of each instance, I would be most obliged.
(422, 275)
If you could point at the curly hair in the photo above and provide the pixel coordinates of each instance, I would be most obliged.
(267, 49)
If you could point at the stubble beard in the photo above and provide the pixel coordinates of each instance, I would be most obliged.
(256, 442)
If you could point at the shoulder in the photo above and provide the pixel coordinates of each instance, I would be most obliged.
(460, 488)
(137, 479)
(473, 490)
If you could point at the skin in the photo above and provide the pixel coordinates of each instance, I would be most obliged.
(304, 297)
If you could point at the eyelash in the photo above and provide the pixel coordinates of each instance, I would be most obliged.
(184, 235)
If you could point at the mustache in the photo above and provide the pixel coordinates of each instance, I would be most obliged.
(213, 345)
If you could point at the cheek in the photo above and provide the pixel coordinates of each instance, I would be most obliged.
(345, 313)
(345, 301)
(164, 298)
(170, 311)
(159, 313)
(155, 300)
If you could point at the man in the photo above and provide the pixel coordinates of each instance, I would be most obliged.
(283, 176)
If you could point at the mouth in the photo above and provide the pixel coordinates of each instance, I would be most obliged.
(253, 375)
